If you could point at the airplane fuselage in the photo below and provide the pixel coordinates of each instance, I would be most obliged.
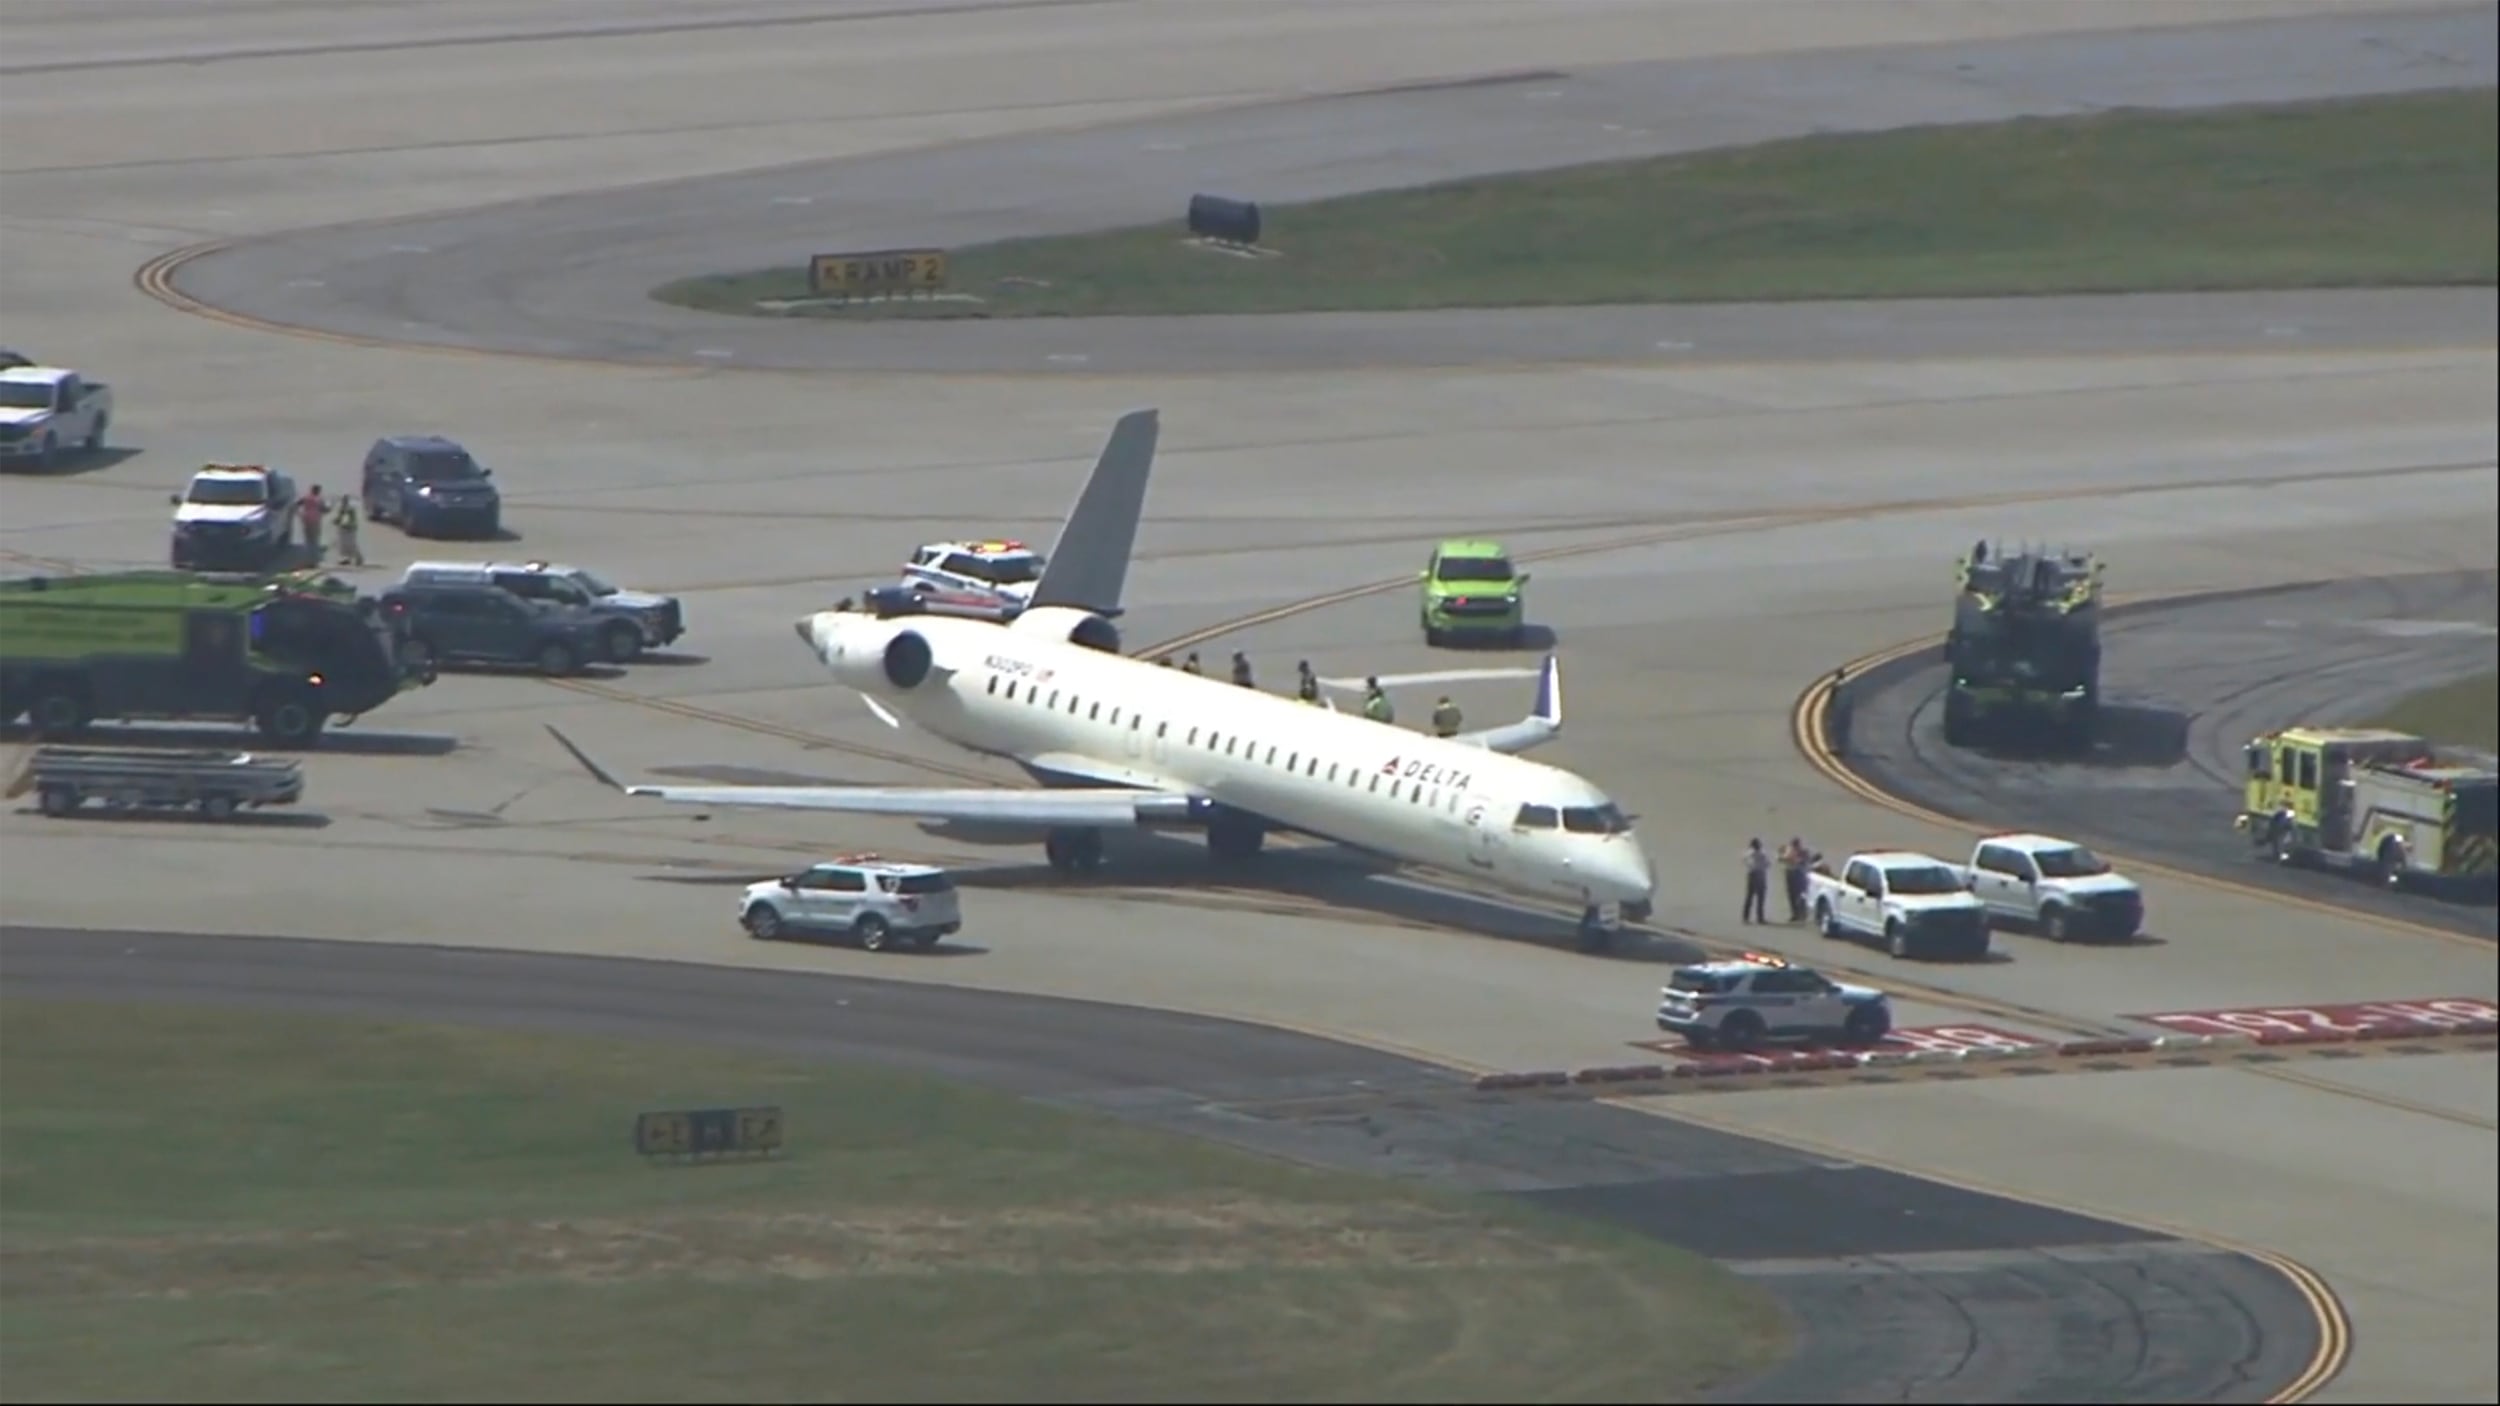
(1247, 759)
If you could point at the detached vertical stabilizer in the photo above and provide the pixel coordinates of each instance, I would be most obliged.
(1088, 566)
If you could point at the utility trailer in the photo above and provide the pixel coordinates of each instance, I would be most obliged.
(214, 783)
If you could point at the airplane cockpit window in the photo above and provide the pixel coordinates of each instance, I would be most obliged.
(1537, 818)
(1595, 820)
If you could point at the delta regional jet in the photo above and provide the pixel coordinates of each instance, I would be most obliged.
(1122, 743)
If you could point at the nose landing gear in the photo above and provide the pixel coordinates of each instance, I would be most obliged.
(1597, 932)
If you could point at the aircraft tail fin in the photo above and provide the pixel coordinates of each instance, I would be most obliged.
(1089, 563)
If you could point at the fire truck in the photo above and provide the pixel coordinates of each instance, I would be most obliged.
(2025, 648)
(2386, 803)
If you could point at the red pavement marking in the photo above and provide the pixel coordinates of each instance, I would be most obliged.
(2439, 1012)
(1903, 1040)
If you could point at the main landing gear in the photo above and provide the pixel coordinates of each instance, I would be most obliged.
(1232, 836)
(1073, 851)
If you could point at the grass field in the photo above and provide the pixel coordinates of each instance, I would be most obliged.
(2397, 190)
(209, 1205)
(2466, 713)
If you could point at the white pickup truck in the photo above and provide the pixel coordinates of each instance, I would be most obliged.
(1914, 904)
(47, 409)
(2055, 887)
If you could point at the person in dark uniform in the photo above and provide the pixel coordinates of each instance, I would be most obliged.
(1190, 665)
(1241, 669)
(1306, 686)
(1757, 881)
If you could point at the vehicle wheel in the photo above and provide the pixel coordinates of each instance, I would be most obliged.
(49, 455)
(416, 655)
(1433, 638)
(624, 643)
(1866, 1025)
(58, 712)
(1700, 1039)
(2053, 922)
(1824, 922)
(2389, 869)
(94, 443)
(556, 660)
(58, 799)
(872, 931)
(1896, 940)
(289, 720)
(218, 807)
(1957, 729)
(763, 922)
(1741, 1031)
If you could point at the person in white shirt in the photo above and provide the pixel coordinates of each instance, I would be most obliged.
(1757, 880)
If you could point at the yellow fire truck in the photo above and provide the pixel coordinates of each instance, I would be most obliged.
(2388, 803)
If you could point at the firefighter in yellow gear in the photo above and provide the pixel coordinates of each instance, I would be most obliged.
(1376, 703)
(1445, 718)
(1306, 687)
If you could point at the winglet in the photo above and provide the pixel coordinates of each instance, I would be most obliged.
(1548, 709)
(1088, 566)
(597, 771)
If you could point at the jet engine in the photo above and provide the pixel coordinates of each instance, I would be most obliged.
(907, 659)
(1066, 623)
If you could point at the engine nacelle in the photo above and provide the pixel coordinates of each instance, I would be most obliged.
(1073, 626)
(907, 659)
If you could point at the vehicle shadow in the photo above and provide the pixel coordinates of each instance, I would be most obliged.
(2125, 736)
(671, 658)
(499, 535)
(1533, 639)
(73, 463)
(248, 819)
(359, 742)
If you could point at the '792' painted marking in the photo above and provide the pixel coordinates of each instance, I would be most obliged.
(2340, 1019)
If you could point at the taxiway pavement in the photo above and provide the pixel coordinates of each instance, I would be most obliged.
(1720, 535)
(570, 275)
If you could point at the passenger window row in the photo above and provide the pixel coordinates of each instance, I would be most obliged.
(1235, 745)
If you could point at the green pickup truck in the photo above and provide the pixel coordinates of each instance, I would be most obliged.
(1472, 591)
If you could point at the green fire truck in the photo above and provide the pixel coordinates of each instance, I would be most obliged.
(2025, 648)
(284, 653)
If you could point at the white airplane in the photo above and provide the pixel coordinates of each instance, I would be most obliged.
(1121, 743)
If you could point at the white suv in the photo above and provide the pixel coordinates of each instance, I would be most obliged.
(1761, 996)
(860, 896)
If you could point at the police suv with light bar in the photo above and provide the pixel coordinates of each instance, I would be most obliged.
(1761, 996)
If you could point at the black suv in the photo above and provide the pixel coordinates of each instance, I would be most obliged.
(431, 487)
(461, 624)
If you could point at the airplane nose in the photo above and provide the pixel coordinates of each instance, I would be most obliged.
(1629, 871)
(805, 625)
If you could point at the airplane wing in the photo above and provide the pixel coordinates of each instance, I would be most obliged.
(1088, 564)
(1085, 807)
(1542, 725)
